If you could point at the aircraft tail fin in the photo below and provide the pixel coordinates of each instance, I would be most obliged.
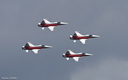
(29, 44)
(46, 21)
(70, 52)
(77, 33)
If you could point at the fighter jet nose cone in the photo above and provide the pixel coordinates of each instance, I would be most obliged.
(91, 54)
(64, 23)
(96, 36)
(48, 46)
(88, 54)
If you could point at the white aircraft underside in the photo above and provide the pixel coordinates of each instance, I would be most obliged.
(50, 27)
(83, 41)
(34, 50)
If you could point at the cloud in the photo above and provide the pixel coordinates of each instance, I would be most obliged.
(108, 69)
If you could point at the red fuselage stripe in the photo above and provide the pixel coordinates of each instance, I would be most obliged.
(46, 25)
(73, 55)
(80, 37)
(30, 48)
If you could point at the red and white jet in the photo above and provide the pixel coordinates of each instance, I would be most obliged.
(75, 56)
(34, 48)
(50, 25)
(82, 38)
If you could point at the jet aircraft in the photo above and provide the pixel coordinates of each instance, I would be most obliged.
(50, 25)
(34, 48)
(75, 56)
(82, 38)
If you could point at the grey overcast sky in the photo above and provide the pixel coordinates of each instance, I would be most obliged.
(107, 18)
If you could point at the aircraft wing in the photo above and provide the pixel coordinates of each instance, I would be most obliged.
(51, 28)
(76, 58)
(83, 41)
(35, 51)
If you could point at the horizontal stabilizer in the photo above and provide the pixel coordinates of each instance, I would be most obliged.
(42, 28)
(74, 41)
(26, 50)
(67, 58)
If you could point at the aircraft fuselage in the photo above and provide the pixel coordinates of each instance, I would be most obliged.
(82, 37)
(70, 56)
(35, 47)
(76, 55)
(74, 37)
(47, 25)
(52, 24)
(30, 48)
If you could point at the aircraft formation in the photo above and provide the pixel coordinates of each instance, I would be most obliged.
(69, 54)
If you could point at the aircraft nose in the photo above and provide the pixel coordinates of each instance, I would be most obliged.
(88, 54)
(96, 36)
(48, 46)
(64, 23)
